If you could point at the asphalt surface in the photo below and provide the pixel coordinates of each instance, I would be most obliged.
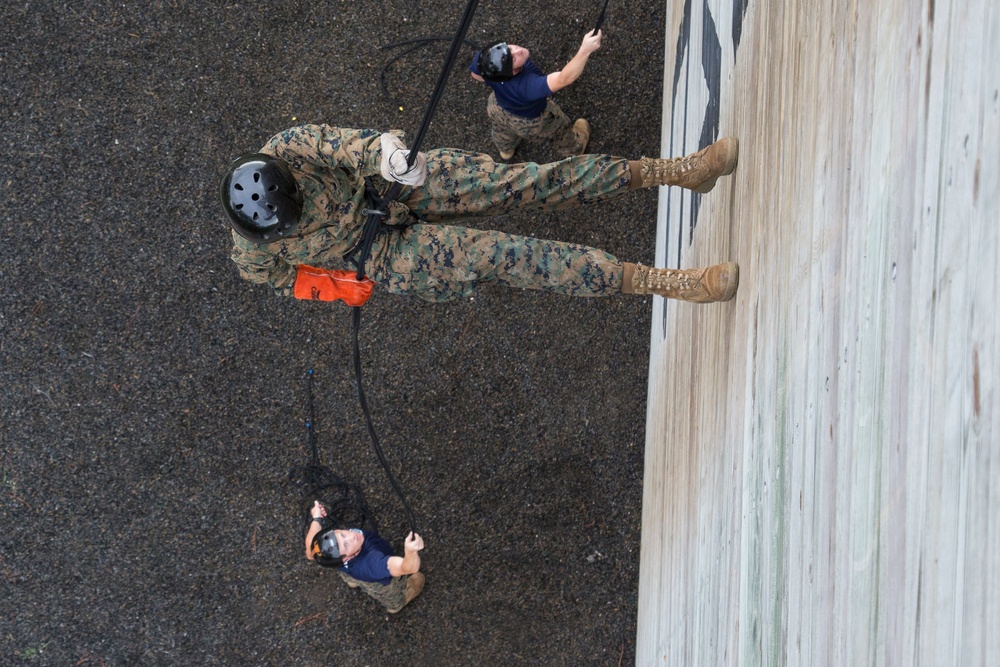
(153, 403)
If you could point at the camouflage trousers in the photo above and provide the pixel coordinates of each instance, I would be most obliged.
(441, 262)
(509, 130)
(392, 596)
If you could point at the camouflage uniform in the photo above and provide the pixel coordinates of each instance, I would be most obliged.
(434, 261)
(392, 596)
(508, 130)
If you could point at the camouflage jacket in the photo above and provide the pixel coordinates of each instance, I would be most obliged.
(329, 164)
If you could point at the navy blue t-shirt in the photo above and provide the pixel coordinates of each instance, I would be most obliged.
(372, 563)
(525, 95)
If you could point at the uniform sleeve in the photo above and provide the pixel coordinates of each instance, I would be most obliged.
(261, 267)
(358, 152)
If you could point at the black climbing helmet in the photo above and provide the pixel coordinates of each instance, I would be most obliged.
(261, 198)
(325, 549)
(496, 63)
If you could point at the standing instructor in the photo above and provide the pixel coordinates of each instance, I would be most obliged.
(521, 108)
(363, 559)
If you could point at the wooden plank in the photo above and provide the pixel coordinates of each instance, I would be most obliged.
(822, 453)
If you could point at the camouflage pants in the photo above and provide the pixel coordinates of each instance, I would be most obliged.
(392, 596)
(509, 130)
(442, 262)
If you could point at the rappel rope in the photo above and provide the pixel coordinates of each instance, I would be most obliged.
(377, 211)
(414, 44)
(372, 228)
(600, 19)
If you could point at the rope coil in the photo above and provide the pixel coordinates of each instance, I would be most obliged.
(344, 501)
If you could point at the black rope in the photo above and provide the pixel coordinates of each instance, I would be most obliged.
(600, 19)
(344, 501)
(449, 63)
(374, 224)
(356, 320)
(417, 43)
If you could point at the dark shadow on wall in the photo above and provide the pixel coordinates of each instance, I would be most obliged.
(739, 12)
(711, 62)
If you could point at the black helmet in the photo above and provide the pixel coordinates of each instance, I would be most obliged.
(496, 63)
(325, 549)
(261, 198)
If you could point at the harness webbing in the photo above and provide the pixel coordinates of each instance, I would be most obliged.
(374, 224)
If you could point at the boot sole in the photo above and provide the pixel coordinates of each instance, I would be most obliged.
(733, 271)
(732, 158)
(727, 282)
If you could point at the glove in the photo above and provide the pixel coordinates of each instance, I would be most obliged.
(394, 167)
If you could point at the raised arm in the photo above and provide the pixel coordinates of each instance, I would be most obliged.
(574, 68)
(410, 562)
(317, 512)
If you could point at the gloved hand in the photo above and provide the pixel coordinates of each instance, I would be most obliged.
(394, 167)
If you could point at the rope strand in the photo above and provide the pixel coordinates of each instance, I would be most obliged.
(371, 228)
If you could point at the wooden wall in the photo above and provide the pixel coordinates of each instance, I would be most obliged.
(822, 472)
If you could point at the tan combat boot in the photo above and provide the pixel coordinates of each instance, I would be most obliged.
(698, 171)
(414, 584)
(581, 128)
(715, 283)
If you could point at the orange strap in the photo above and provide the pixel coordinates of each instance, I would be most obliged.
(313, 284)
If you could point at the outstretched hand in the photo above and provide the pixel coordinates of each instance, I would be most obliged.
(413, 542)
(591, 41)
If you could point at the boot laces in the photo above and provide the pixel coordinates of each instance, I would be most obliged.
(659, 170)
(666, 280)
(674, 279)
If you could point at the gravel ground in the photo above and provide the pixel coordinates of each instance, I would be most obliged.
(153, 403)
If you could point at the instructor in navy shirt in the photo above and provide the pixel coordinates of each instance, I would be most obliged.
(520, 107)
(364, 560)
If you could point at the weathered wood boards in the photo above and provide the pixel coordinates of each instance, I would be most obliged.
(822, 480)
